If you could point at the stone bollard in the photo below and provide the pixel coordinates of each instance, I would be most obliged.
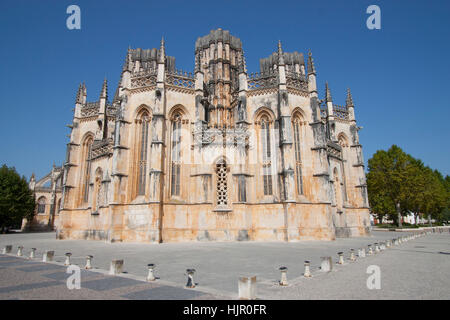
(283, 280)
(362, 253)
(247, 288)
(307, 273)
(7, 249)
(370, 250)
(352, 255)
(116, 267)
(19, 251)
(377, 247)
(32, 253)
(190, 282)
(388, 243)
(88, 262)
(67, 262)
(48, 256)
(326, 265)
(151, 275)
(341, 258)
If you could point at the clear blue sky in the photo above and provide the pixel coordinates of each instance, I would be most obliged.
(399, 75)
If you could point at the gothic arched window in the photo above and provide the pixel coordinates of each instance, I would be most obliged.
(266, 154)
(41, 205)
(175, 184)
(343, 142)
(87, 152)
(143, 125)
(296, 123)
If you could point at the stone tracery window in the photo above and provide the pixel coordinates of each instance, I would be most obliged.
(296, 123)
(143, 125)
(266, 154)
(87, 153)
(41, 205)
(176, 155)
(222, 188)
(343, 142)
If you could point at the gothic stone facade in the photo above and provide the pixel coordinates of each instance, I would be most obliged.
(47, 192)
(217, 155)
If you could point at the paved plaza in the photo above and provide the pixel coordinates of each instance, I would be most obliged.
(417, 269)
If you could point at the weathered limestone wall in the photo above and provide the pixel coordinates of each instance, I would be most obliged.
(269, 222)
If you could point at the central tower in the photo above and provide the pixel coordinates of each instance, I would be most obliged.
(217, 57)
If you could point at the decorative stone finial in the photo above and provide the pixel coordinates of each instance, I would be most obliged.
(79, 98)
(127, 63)
(197, 62)
(349, 100)
(104, 93)
(84, 90)
(311, 68)
(280, 54)
(327, 93)
(242, 64)
(162, 51)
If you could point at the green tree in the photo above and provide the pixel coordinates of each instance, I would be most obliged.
(387, 181)
(16, 199)
(398, 183)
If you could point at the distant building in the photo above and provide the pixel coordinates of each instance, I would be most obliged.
(47, 192)
(219, 154)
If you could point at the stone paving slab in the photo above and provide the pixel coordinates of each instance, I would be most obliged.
(40, 267)
(62, 275)
(109, 283)
(163, 293)
(219, 266)
(40, 281)
(28, 286)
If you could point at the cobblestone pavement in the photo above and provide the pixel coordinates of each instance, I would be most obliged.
(417, 269)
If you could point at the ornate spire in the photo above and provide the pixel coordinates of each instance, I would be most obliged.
(83, 86)
(349, 100)
(126, 65)
(79, 98)
(311, 68)
(280, 54)
(327, 93)
(197, 62)
(242, 64)
(104, 93)
(162, 51)
(33, 177)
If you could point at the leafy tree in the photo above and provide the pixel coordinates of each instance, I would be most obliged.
(16, 199)
(399, 183)
(387, 181)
